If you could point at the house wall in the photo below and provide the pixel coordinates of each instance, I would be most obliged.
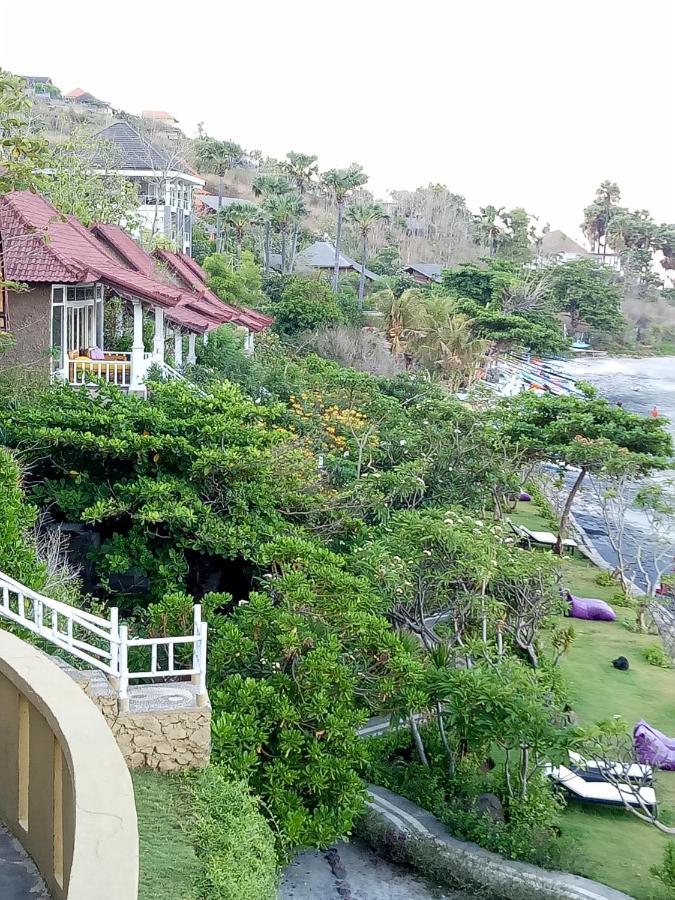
(29, 326)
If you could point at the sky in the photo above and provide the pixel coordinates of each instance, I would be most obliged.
(507, 102)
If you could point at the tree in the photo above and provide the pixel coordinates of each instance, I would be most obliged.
(306, 303)
(587, 292)
(598, 215)
(340, 183)
(301, 168)
(404, 316)
(240, 217)
(20, 156)
(284, 211)
(490, 227)
(447, 346)
(589, 434)
(218, 157)
(83, 180)
(364, 216)
(267, 186)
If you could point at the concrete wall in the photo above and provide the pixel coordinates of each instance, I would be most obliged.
(65, 791)
(29, 326)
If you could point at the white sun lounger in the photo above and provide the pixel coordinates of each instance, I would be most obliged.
(596, 767)
(545, 538)
(601, 792)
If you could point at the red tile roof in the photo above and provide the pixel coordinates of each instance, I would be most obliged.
(43, 246)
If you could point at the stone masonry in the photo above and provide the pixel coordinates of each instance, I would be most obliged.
(164, 729)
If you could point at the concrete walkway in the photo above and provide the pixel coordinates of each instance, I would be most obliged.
(19, 878)
(353, 872)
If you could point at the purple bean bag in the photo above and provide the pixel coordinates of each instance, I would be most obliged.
(590, 608)
(524, 497)
(653, 748)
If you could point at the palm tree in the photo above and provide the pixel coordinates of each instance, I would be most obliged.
(240, 216)
(300, 169)
(447, 346)
(218, 157)
(266, 186)
(364, 216)
(489, 227)
(405, 316)
(284, 210)
(339, 183)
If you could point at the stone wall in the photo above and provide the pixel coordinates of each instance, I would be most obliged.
(166, 739)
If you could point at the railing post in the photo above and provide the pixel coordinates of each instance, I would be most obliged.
(114, 647)
(196, 631)
(123, 686)
(202, 696)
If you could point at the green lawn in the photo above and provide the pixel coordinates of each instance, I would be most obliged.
(612, 845)
(168, 861)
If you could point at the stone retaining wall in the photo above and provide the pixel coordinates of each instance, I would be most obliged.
(410, 834)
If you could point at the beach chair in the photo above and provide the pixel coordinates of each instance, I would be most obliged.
(601, 793)
(541, 539)
(595, 769)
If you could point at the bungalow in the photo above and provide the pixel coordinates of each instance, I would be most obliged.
(87, 100)
(160, 117)
(164, 182)
(68, 273)
(424, 273)
(320, 257)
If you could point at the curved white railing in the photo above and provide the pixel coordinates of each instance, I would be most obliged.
(104, 643)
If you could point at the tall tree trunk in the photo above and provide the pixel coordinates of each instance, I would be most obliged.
(283, 252)
(362, 274)
(564, 519)
(294, 246)
(240, 241)
(417, 737)
(219, 244)
(268, 241)
(338, 237)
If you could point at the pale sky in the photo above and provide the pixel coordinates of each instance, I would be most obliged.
(512, 103)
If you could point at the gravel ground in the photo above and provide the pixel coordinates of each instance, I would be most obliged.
(353, 872)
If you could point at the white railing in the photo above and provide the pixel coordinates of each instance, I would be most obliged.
(114, 371)
(104, 643)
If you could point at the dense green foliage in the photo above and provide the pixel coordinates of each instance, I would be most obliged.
(17, 519)
(234, 843)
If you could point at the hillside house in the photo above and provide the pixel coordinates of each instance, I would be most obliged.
(160, 117)
(320, 257)
(85, 100)
(39, 84)
(557, 246)
(424, 273)
(71, 273)
(165, 183)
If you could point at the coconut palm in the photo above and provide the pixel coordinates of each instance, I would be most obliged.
(217, 157)
(364, 216)
(489, 226)
(447, 347)
(239, 217)
(339, 183)
(300, 169)
(405, 316)
(266, 186)
(284, 210)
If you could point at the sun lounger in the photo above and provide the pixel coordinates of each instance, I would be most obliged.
(541, 538)
(593, 769)
(601, 792)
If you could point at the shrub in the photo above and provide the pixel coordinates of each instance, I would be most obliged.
(234, 842)
(657, 656)
(18, 557)
(306, 304)
(605, 579)
(666, 871)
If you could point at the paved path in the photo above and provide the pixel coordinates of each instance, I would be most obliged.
(353, 872)
(19, 879)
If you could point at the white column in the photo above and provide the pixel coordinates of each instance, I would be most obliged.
(249, 343)
(158, 339)
(192, 355)
(137, 351)
(205, 338)
(177, 348)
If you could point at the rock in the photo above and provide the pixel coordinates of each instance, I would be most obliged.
(489, 805)
(621, 663)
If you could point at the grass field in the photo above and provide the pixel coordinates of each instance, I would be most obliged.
(168, 862)
(612, 845)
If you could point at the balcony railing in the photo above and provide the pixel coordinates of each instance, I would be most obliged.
(115, 368)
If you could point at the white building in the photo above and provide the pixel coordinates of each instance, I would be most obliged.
(165, 183)
(557, 246)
